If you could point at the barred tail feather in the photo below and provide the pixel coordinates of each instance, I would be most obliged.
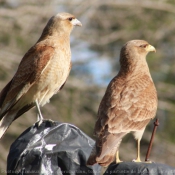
(105, 149)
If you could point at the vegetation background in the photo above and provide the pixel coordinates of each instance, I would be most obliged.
(107, 25)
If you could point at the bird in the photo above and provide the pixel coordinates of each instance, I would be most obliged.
(41, 73)
(128, 105)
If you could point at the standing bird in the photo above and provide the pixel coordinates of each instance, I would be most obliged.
(128, 105)
(42, 71)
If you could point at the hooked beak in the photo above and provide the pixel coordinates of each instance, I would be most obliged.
(150, 48)
(76, 22)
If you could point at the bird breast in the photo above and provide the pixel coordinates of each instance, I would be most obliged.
(51, 79)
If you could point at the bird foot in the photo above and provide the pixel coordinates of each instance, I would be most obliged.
(39, 122)
(148, 161)
(136, 160)
(49, 120)
(118, 161)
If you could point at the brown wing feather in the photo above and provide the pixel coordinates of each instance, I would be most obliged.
(29, 70)
(127, 106)
(108, 102)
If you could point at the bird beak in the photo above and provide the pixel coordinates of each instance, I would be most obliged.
(76, 22)
(150, 48)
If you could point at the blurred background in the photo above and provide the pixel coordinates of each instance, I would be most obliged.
(107, 25)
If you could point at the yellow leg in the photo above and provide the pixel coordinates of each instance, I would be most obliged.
(117, 157)
(138, 152)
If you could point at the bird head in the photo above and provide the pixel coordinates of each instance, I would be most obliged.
(62, 23)
(66, 20)
(140, 47)
(143, 46)
(134, 52)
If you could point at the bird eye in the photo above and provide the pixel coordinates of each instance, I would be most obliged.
(144, 45)
(70, 19)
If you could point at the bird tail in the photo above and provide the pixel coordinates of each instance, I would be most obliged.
(105, 149)
(6, 122)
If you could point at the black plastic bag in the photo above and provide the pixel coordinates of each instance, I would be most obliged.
(62, 149)
(133, 168)
(51, 148)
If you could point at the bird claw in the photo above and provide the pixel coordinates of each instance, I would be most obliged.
(50, 120)
(39, 122)
(118, 161)
(136, 160)
(148, 161)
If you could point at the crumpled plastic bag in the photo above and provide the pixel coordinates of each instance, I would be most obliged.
(129, 168)
(62, 149)
(51, 148)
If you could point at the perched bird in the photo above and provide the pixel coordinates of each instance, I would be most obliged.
(128, 105)
(42, 71)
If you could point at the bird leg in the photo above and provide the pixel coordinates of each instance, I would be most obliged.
(40, 117)
(138, 152)
(117, 157)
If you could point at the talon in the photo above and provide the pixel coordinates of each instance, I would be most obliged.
(136, 160)
(148, 161)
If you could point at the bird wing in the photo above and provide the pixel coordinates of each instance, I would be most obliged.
(127, 105)
(29, 70)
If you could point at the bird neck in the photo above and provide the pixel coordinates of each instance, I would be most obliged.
(54, 34)
(137, 68)
(55, 38)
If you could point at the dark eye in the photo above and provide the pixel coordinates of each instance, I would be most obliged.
(143, 46)
(70, 19)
